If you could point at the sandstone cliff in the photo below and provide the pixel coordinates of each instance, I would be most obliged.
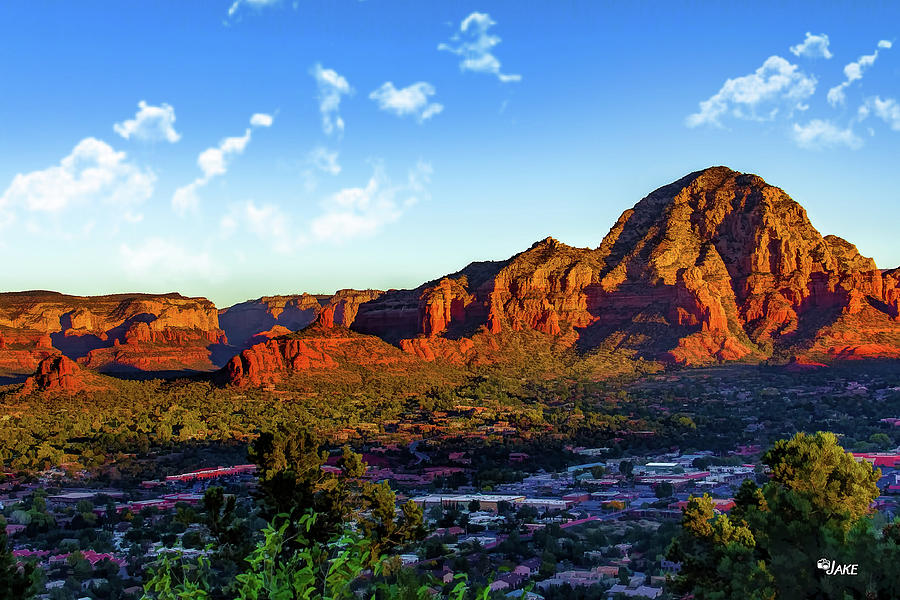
(243, 322)
(317, 348)
(116, 332)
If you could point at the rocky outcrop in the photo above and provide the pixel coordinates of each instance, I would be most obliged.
(125, 331)
(57, 374)
(891, 293)
(342, 308)
(317, 348)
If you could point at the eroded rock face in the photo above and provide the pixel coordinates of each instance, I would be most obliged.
(314, 349)
(58, 374)
(716, 266)
(242, 322)
(342, 308)
(118, 332)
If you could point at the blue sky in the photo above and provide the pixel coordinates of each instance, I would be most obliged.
(238, 149)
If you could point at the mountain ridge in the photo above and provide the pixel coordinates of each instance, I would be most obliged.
(716, 266)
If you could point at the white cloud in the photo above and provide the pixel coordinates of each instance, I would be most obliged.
(363, 211)
(353, 212)
(411, 100)
(214, 162)
(168, 261)
(331, 87)
(150, 124)
(887, 110)
(257, 4)
(261, 120)
(268, 222)
(325, 160)
(93, 173)
(854, 71)
(474, 44)
(819, 134)
(814, 46)
(775, 84)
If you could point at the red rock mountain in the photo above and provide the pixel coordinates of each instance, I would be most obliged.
(717, 266)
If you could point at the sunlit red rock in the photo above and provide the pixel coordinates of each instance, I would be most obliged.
(57, 374)
(717, 266)
(318, 348)
(169, 330)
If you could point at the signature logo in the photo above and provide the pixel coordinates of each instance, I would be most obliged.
(833, 568)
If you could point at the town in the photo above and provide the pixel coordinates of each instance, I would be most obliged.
(596, 527)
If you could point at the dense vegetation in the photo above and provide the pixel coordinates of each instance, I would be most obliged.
(692, 409)
(816, 505)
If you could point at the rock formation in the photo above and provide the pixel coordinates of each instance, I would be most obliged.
(57, 374)
(111, 333)
(317, 348)
(341, 309)
(717, 266)
(242, 322)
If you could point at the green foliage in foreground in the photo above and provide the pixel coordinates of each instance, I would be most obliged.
(816, 505)
(15, 582)
(275, 572)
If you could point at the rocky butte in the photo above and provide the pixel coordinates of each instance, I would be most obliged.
(58, 374)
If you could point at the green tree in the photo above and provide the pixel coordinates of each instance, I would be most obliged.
(816, 504)
(292, 482)
(880, 441)
(15, 581)
(664, 490)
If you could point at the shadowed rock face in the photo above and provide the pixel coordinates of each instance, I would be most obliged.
(243, 322)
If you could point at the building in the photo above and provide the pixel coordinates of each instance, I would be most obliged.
(213, 473)
(489, 502)
(879, 459)
(641, 591)
(658, 467)
(544, 504)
